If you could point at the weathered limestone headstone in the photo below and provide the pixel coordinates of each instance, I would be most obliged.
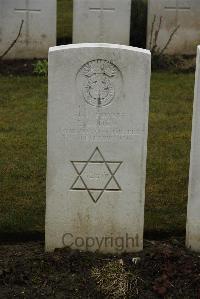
(97, 143)
(101, 21)
(193, 211)
(37, 20)
(181, 14)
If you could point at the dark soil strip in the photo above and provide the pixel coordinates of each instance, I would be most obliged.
(12, 238)
(162, 270)
(17, 67)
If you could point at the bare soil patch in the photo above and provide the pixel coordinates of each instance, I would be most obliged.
(165, 269)
(17, 67)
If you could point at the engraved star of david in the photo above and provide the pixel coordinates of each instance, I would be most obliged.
(96, 175)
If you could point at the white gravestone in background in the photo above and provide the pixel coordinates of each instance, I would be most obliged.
(38, 28)
(182, 13)
(97, 142)
(101, 21)
(193, 211)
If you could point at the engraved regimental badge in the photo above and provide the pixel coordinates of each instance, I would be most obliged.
(99, 82)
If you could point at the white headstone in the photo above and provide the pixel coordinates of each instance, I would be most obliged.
(193, 210)
(101, 21)
(37, 19)
(175, 13)
(97, 143)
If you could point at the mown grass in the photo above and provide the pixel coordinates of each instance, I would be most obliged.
(168, 151)
(64, 21)
(23, 102)
(23, 153)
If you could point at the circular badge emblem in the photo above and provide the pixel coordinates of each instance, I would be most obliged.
(97, 81)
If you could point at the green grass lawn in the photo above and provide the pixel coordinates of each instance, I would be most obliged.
(23, 152)
(168, 151)
(64, 21)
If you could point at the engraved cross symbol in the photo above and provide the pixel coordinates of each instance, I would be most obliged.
(27, 11)
(96, 175)
(178, 5)
(102, 10)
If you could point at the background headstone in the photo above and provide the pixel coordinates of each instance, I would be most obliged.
(97, 143)
(174, 13)
(193, 211)
(101, 21)
(38, 29)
